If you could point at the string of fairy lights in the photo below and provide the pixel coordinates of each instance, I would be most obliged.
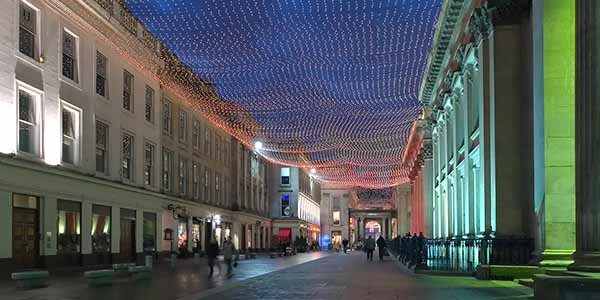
(329, 85)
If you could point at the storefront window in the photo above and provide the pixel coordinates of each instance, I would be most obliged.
(336, 217)
(196, 236)
(100, 228)
(182, 234)
(149, 232)
(69, 227)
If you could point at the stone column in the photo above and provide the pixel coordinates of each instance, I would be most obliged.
(587, 139)
(557, 213)
(428, 186)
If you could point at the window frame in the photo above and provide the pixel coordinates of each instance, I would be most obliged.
(106, 95)
(131, 168)
(169, 122)
(76, 81)
(182, 134)
(106, 146)
(35, 60)
(152, 119)
(131, 94)
(38, 99)
(182, 175)
(196, 134)
(167, 170)
(74, 110)
(149, 180)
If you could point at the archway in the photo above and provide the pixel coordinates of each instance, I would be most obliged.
(372, 228)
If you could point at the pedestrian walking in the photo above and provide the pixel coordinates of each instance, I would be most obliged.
(212, 251)
(229, 255)
(345, 244)
(370, 247)
(381, 245)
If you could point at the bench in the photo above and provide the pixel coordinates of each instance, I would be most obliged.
(122, 270)
(99, 277)
(31, 280)
(252, 255)
(140, 272)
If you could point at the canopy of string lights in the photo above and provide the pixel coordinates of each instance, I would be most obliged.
(329, 85)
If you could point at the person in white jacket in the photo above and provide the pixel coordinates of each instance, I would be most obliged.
(229, 254)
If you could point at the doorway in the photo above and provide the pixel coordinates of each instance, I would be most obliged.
(127, 239)
(25, 231)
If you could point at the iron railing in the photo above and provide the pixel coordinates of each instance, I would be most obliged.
(463, 254)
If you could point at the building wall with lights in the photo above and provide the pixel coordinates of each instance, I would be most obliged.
(492, 153)
(88, 140)
(295, 203)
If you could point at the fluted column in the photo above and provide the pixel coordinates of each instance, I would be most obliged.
(587, 140)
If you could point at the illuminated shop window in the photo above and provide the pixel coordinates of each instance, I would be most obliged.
(101, 229)
(69, 227)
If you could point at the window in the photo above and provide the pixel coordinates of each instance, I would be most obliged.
(29, 122)
(27, 30)
(285, 205)
(196, 134)
(336, 202)
(101, 229)
(166, 116)
(149, 164)
(207, 141)
(196, 180)
(285, 176)
(254, 166)
(149, 232)
(149, 105)
(182, 130)
(127, 91)
(217, 188)
(101, 71)
(206, 184)
(336, 217)
(127, 157)
(101, 147)
(69, 227)
(70, 53)
(167, 169)
(218, 147)
(70, 134)
(182, 176)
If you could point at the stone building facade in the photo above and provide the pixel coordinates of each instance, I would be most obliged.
(498, 132)
(102, 159)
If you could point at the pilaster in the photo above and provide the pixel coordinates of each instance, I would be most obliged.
(587, 139)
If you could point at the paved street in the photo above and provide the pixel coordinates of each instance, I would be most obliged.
(304, 276)
(350, 276)
(187, 279)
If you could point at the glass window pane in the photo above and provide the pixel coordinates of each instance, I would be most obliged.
(24, 201)
(101, 228)
(69, 227)
(149, 232)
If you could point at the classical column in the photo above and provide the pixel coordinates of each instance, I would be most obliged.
(587, 139)
(557, 213)
(428, 186)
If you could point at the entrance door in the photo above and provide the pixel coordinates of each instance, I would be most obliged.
(25, 237)
(127, 240)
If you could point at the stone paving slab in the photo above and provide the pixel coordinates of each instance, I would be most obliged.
(350, 276)
(186, 280)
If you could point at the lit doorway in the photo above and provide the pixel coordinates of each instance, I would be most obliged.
(372, 228)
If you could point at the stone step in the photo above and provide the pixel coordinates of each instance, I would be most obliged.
(528, 282)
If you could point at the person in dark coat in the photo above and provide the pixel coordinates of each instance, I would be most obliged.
(381, 245)
(345, 244)
(369, 247)
(212, 250)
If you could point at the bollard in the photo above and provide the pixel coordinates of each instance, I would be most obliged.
(149, 261)
(173, 260)
(196, 258)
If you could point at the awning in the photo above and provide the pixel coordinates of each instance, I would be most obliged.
(285, 233)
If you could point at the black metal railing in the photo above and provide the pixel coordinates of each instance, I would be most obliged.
(462, 254)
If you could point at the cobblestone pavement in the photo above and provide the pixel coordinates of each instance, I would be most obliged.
(350, 276)
(185, 281)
